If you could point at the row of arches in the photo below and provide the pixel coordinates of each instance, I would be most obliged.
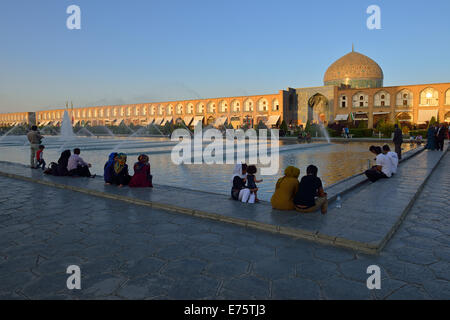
(404, 98)
(211, 107)
(14, 117)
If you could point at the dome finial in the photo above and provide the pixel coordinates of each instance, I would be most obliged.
(353, 47)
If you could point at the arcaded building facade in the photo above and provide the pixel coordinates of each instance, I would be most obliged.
(353, 91)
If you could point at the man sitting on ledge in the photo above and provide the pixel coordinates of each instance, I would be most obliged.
(382, 169)
(76, 166)
(310, 196)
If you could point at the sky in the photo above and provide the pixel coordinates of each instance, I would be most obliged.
(138, 51)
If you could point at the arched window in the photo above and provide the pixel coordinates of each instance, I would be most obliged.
(429, 97)
(275, 105)
(236, 106)
(129, 111)
(137, 111)
(263, 105)
(223, 105)
(405, 98)
(170, 109)
(179, 108)
(190, 108)
(343, 103)
(447, 97)
(144, 110)
(200, 107)
(161, 110)
(248, 105)
(382, 99)
(211, 107)
(360, 100)
(404, 117)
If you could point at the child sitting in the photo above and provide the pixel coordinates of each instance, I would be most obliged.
(251, 181)
(40, 158)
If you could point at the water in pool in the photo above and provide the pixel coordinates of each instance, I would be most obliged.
(335, 161)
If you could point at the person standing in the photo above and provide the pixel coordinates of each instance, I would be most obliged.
(40, 158)
(441, 134)
(431, 139)
(35, 138)
(398, 140)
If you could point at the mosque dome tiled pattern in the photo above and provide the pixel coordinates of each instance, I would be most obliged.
(356, 70)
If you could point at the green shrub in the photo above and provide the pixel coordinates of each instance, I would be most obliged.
(361, 133)
(432, 121)
(333, 133)
(416, 133)
(362, 125)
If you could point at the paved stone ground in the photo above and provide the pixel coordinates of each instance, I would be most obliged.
(338, 228)
(133, 252)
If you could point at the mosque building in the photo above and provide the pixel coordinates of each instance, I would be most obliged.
(353, 91)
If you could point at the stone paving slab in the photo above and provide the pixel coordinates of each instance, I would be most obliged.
(358, 225)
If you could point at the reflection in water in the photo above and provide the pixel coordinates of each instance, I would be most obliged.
(335, 162)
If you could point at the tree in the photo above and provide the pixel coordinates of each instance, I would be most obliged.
(362, 125)
(284, 126)
(432, 122)
(308, 126)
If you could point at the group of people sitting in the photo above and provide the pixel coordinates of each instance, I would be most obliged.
(70, 165)
(115, 169)
(244, 182)
(305, 196)
(386, 163)
(290, 194)
(116, 172)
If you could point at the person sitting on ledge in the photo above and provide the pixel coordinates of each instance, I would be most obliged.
(60, 168)
(142, 177)
(239, 190)
(286, 189)
(77, 166)
(119, 172)
(393, 157)
(310, 196)
(109, 168)
(382, 169)
(251, 181)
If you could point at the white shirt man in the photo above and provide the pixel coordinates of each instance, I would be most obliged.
(394, 161)
(74, 161)
(393, 158)
(385, 163)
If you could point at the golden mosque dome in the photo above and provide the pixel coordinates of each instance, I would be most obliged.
(355, 70)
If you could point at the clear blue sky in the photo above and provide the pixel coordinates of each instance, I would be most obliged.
(142, 51)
